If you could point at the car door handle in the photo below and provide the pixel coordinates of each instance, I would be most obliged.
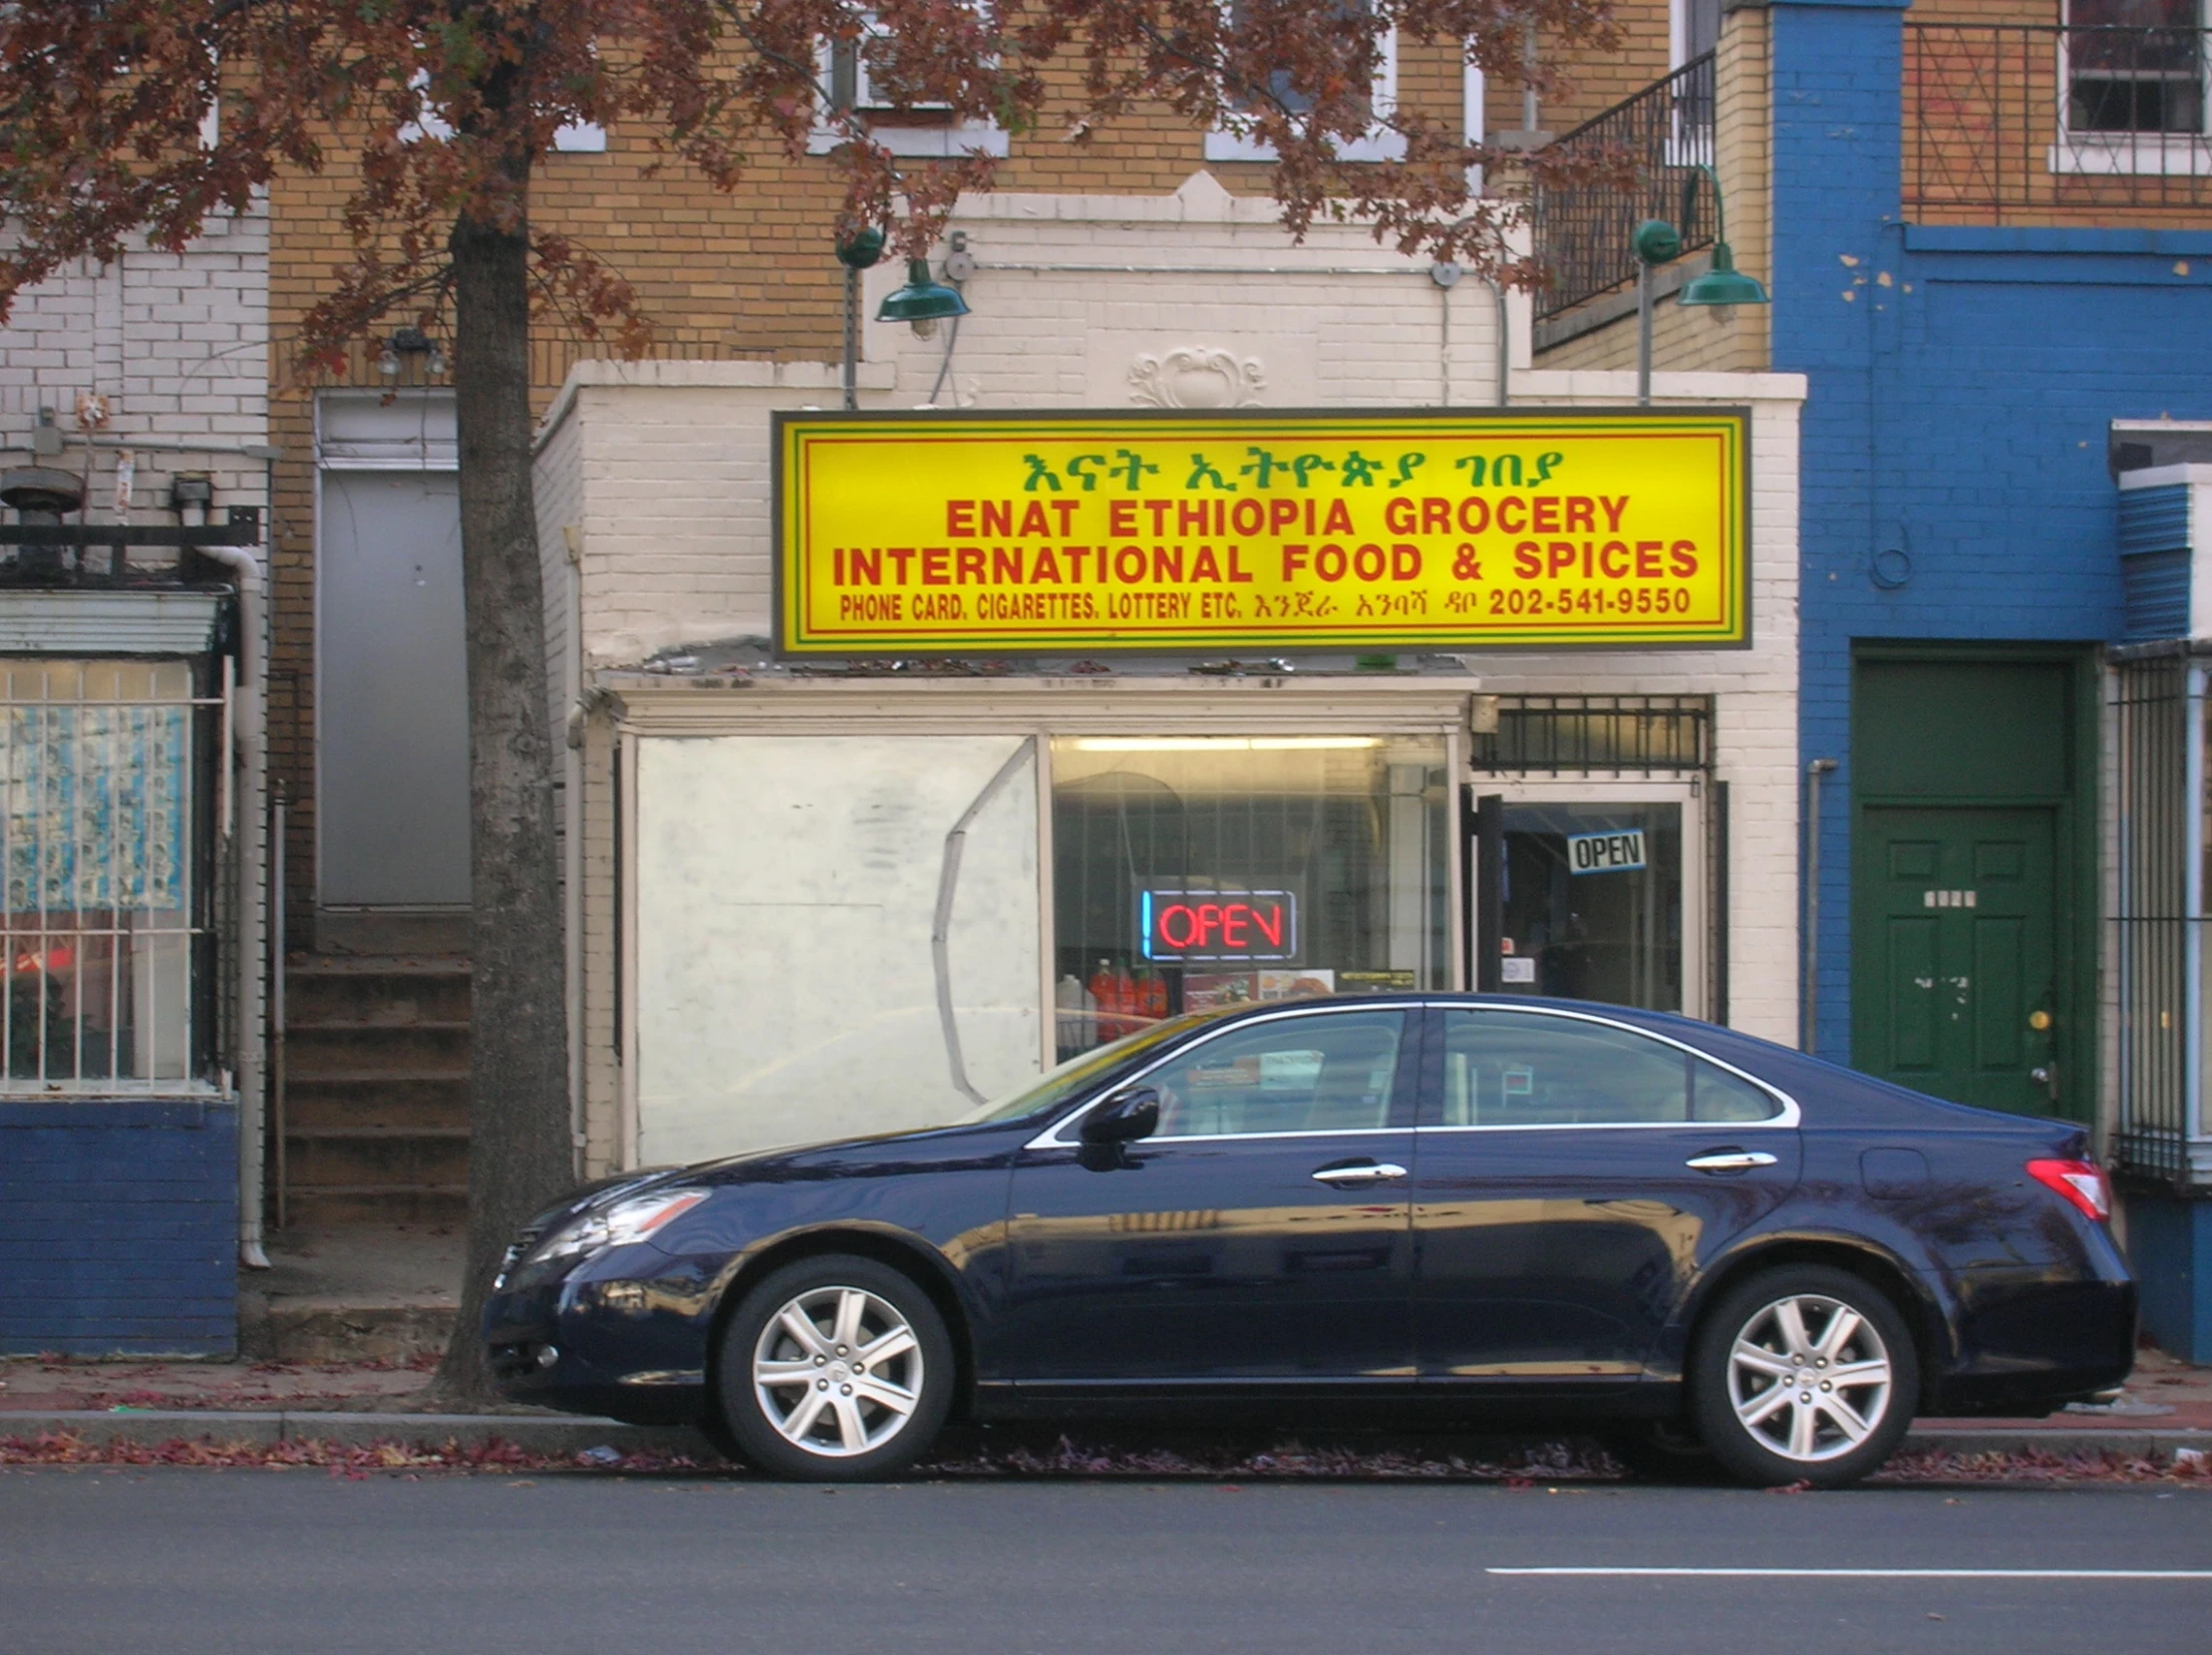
(1729, 1161)
(1378, 1172)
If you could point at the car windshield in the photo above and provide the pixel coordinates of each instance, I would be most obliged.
(1069, 1078)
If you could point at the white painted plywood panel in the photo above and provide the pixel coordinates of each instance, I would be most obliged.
(787, 887)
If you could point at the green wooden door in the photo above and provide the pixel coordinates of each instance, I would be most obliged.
(1956, 929)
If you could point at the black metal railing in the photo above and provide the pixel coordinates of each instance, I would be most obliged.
(2151, 922)
(2030, 118)
(1641, 158)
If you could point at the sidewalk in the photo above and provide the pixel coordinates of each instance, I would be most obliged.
(2167, 1407)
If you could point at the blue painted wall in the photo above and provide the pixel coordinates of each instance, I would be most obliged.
(118, 1226)
(2170, 1240)
(1962, 384)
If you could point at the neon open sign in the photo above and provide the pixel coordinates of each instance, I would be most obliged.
(1218, 925)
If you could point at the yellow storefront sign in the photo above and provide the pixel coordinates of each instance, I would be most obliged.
(945, 533)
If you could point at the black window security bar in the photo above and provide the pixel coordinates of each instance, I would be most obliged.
(2018, 117)
(1647, 150)
(2151, 921)
(1612, 733)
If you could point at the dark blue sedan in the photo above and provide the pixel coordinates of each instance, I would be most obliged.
(1436, 1207)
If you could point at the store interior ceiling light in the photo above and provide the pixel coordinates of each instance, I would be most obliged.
(1220, 744)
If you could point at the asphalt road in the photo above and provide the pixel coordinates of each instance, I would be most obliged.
(246, 1561)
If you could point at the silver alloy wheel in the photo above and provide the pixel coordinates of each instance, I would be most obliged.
(1809, 1378)
(837, 1370)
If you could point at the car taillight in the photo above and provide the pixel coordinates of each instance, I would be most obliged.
(2082, 1181)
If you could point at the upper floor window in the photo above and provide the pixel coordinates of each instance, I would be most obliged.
(853, 74)
(1235, 139)
(1695, 28)
(579, 137)
(2135, 66)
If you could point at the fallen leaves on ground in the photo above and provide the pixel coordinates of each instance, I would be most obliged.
(1067, 1457)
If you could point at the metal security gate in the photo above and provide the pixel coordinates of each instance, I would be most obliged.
(2158, 916)
(110, 801)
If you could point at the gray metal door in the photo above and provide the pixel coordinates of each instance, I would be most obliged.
(392, 707)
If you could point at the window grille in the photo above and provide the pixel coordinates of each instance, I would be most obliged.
(1616, 733)
(2102, 115)
(2151, 919)
(108, 769)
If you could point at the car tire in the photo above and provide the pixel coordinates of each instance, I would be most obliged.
(834, 1369)
(1852, 1378)
(1662, 1451)
(720, 1436)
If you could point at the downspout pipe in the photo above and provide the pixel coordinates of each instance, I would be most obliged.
(1816, 772)
(249, 732)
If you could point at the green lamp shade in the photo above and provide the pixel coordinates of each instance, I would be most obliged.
(921, 299)
(1723, 284)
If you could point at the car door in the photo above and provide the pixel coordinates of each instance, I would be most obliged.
(1261, 1236)
(1571, 1175)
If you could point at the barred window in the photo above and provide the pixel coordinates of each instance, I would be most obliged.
(105, 767)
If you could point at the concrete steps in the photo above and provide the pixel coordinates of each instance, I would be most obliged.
(376, 1116)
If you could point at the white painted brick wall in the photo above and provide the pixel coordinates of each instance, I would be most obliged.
(179, 345)
(668, 469)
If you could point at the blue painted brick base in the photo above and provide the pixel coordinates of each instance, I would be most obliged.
(2169, 1241)
(118, 1226)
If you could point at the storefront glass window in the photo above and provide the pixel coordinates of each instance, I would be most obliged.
(1197, 871)
(98, 815)
(1592, 902)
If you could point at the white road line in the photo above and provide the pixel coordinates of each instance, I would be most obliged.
(1885, 1574)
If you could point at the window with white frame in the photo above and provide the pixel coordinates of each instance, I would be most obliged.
(105, 775)
(581, 137)
(2135, 66)
(848, 71)
(1695, 30)
(1234, 141)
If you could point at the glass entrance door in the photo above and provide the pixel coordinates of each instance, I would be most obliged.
(1599, 893)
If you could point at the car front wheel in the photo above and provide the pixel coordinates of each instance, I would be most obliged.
(834, 1369)
(1803, 1375)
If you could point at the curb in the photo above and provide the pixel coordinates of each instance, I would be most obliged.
(572, 1434)
(2134, 1443)
(535, 1434)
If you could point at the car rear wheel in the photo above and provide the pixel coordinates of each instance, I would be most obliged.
(1803, 1375)
(834, 1369)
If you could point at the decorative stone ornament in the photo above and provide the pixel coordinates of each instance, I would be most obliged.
(1196, 377)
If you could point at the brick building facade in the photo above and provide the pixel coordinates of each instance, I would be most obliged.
(134, 397)
(1088, 260)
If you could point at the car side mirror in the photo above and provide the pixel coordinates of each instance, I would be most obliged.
(1124, 1118)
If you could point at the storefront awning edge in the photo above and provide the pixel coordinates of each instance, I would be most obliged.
(1255, 706)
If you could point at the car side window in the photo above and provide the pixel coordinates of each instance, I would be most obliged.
(1328, 1072)
(1717, 1095)
(1523, 1069)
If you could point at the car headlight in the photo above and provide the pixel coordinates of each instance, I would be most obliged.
(614, 1226)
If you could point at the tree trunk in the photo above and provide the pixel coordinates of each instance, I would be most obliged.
(521, 1142)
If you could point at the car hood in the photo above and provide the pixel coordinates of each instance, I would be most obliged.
(874, 1156)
